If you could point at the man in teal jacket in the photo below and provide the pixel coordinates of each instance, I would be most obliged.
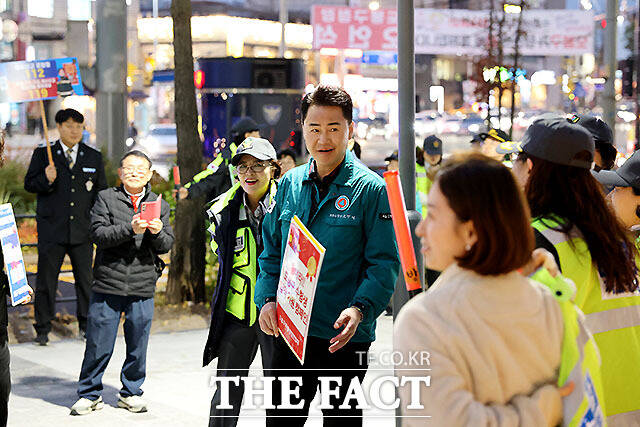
(345, 207)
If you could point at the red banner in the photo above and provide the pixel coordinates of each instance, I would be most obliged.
(354, 28)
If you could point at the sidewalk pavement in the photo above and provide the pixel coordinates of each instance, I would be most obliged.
(44, 381)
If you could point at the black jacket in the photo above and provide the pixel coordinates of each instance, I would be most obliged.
(126, 263)
(225, 238)
(63, 210)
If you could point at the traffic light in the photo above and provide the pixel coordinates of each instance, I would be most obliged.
(626, 65)
(603, 24)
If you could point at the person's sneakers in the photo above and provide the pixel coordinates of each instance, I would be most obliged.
(132, 403)
(85, 406)
(41, 339)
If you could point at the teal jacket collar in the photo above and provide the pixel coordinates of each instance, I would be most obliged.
(344, 178)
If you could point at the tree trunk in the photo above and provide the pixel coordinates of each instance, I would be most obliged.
(186, 273)
(516, 63)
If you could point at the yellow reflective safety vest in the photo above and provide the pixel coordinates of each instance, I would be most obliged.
(245, 259)
(580, 360)
(613, 319)
(423, 185)
(214, 166)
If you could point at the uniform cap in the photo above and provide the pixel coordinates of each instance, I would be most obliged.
(628, 175)
(259, 148)
(432, 145)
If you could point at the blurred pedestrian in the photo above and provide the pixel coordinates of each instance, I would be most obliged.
(126, 269)
(490, 141)
(217, 176)
(392, 161)
(66, 192)
(573, 221)
(5, 371)
(345, 207)
(494, 338)
(234, 334)
(286, 160)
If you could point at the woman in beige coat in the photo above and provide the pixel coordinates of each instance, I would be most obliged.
(494, 337)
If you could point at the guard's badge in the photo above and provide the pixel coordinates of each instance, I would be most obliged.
(342, 203)
(239, 246)
(436, 144)
(89, 185)
(574, 119)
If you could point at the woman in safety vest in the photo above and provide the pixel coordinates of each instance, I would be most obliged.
(236, 217)
(592, 247)
(489, 340)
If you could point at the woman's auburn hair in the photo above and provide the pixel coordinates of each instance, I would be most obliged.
(573, 196)
(484, 191)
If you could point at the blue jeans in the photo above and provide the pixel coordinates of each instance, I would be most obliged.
(102, 327)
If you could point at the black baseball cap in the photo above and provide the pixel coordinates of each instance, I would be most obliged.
(392, 156)
(432, 145)
(556, 140)
(476, 139)
(244, 125)
(627, 175)
(599, 130)
(259, 148)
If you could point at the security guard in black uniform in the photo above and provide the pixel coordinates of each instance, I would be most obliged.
(66, 192)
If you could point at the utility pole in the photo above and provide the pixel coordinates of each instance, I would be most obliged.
(284, 18)
(610, 56)
(111, 74)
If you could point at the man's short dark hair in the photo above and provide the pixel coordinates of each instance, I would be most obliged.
(328, 96)
(287, 152)
(69, 113)
(136, 153)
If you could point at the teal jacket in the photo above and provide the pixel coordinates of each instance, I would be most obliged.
(361, 259)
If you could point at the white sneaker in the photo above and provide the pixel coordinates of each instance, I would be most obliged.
(132, 403)
(85, 406)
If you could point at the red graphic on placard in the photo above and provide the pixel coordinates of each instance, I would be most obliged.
(290, 333)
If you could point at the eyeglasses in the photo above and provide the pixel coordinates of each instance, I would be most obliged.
(256, 167)
(131, 171)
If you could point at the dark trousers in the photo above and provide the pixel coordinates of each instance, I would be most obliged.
(318, 363)
(50, 258)
(238, 348)
(5, 383)
(102, 328)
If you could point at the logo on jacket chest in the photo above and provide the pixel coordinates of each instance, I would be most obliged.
(342, 203)
(239, 245)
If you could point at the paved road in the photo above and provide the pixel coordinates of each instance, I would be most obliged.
(44, 384)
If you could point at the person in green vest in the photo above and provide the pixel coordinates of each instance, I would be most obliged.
(236, 227)
(427, 165)
(217, 177)
(573, 221)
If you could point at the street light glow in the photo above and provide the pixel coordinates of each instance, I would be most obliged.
(512, 8)
(374, 5)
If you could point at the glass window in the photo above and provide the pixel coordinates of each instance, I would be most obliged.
(40, 8)
(78, 10)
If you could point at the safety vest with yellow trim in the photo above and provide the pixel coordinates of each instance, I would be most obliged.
(245, 259)
(423, 185)
(214, 166)
(613, 319)
(580, 361)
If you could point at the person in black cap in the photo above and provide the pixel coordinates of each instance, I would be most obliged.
(216, 178)
(476, 142)
(489, 141)
(234, 334)
(605, 152)
(625, 196)
(592, 247)
(392, 161)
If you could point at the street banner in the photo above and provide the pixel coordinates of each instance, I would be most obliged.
(23, 81)
(13, 262)
(354, 28)
(454, 31)
(297, 287)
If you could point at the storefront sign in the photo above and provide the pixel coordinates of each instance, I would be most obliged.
(22, 81)
(297, 287)
(454, 31)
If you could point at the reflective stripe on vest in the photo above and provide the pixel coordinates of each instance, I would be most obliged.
(614, 320)
(214, 166)
(243, 277)
(423, 184)
(580, 364)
